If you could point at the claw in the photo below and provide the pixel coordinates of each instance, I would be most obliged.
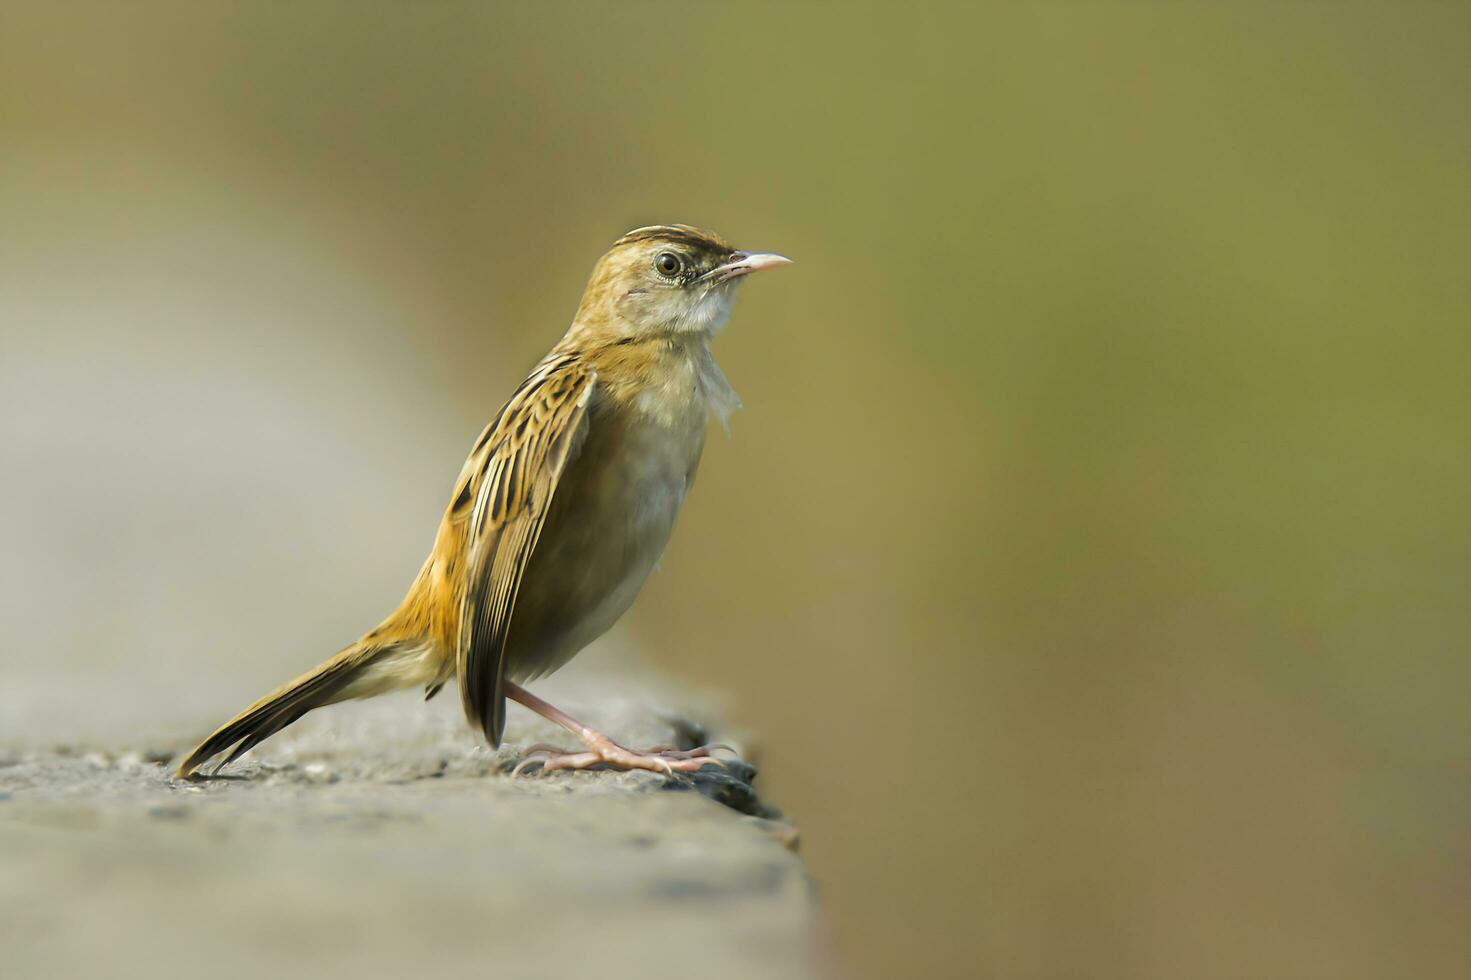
(699, 752)
(540, 752)
(528, 760)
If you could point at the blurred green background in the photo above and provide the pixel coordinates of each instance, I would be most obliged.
(1093, 554)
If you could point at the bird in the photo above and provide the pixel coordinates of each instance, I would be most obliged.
(559, 514)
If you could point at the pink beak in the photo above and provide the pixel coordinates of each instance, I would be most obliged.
(745, 263)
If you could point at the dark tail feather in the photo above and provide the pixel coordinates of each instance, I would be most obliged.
(321, 686)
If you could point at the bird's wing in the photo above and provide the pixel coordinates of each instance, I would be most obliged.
(520, 459)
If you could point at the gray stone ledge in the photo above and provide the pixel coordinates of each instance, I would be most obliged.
(380, 839)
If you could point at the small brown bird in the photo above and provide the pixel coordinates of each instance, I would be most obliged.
(561, 511)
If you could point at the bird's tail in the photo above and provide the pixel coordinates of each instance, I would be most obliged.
(368, 667)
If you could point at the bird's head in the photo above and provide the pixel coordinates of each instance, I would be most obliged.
(667, 280)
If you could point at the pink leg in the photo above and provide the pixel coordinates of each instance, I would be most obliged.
(602, 750)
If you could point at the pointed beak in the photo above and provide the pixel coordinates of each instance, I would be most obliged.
(745, 263)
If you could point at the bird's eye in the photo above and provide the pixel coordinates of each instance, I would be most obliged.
(668, 264)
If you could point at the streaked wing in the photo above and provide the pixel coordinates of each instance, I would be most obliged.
(520, 459)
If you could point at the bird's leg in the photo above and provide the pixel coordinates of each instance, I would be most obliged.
(602, 750)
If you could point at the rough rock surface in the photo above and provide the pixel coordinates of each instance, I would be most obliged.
(379, 839)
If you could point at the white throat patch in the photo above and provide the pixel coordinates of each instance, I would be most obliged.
(711, 313)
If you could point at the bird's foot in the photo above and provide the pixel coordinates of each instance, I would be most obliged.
(603, 751)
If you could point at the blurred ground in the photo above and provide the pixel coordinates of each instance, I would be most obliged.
(381, 840)
(1092, 553)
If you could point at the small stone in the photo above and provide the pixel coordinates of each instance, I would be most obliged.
(782, 832)
(317, 772)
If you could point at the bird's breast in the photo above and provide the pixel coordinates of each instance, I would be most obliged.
(610, 519)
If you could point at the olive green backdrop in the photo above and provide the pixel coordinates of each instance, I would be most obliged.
(1093, 554)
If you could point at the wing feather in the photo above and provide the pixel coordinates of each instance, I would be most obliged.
(515, 473)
